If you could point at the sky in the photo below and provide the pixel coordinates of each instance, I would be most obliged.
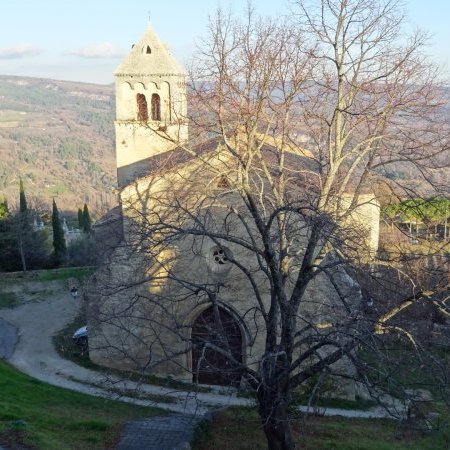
(85, 40)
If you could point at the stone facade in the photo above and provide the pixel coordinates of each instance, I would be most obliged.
(142, 302)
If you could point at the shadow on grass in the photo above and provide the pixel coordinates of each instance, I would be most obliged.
(240, 429)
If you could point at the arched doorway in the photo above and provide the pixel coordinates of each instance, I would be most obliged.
(221, 329)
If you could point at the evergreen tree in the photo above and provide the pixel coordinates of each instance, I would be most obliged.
(80, 219)
(23, 228)
(86, 219)
(23, 201)
(9, 251)
(59, 243)
(21, 246)
(4, 210)
(9, 257)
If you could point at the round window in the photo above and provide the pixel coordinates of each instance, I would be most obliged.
(220, 256)
(219, 260)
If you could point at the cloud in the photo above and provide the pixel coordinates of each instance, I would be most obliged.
(19, 51)
(105, 50)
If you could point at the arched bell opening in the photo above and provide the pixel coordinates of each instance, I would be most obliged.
(156, 107)
(142, 108)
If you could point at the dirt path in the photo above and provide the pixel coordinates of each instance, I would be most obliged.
(37, 322)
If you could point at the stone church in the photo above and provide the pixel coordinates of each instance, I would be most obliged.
(164, 285)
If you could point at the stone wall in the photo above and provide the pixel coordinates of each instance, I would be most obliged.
(144, 302)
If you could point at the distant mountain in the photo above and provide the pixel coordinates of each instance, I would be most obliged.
(59, 137)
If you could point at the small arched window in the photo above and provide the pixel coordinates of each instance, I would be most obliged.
(156, 107)
(148, 50)
(142, 107)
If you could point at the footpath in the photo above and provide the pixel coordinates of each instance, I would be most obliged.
(26, 342)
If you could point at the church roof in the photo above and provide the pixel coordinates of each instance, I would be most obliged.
(148, 57)
(296, 161)
(299, 164)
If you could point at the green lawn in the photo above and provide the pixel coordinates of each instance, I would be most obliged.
(239, 429)
(42, 416)
(8, 278)
(64, 273)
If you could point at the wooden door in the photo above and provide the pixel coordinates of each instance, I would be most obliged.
(220, 328)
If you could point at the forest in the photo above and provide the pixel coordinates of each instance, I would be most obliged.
(58, 137)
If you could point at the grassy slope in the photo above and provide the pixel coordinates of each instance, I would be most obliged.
(58, 418)
(239, 429)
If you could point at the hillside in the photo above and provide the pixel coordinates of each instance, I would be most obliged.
(59, 137)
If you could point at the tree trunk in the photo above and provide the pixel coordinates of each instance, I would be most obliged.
(275, 422)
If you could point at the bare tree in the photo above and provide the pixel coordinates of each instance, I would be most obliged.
(254, 237)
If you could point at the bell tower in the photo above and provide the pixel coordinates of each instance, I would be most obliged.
(151, 106)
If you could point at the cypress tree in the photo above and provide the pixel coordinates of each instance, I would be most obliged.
(22, 199)
(23, 228)
(80, 219)
(59, 243)
(86, 219)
